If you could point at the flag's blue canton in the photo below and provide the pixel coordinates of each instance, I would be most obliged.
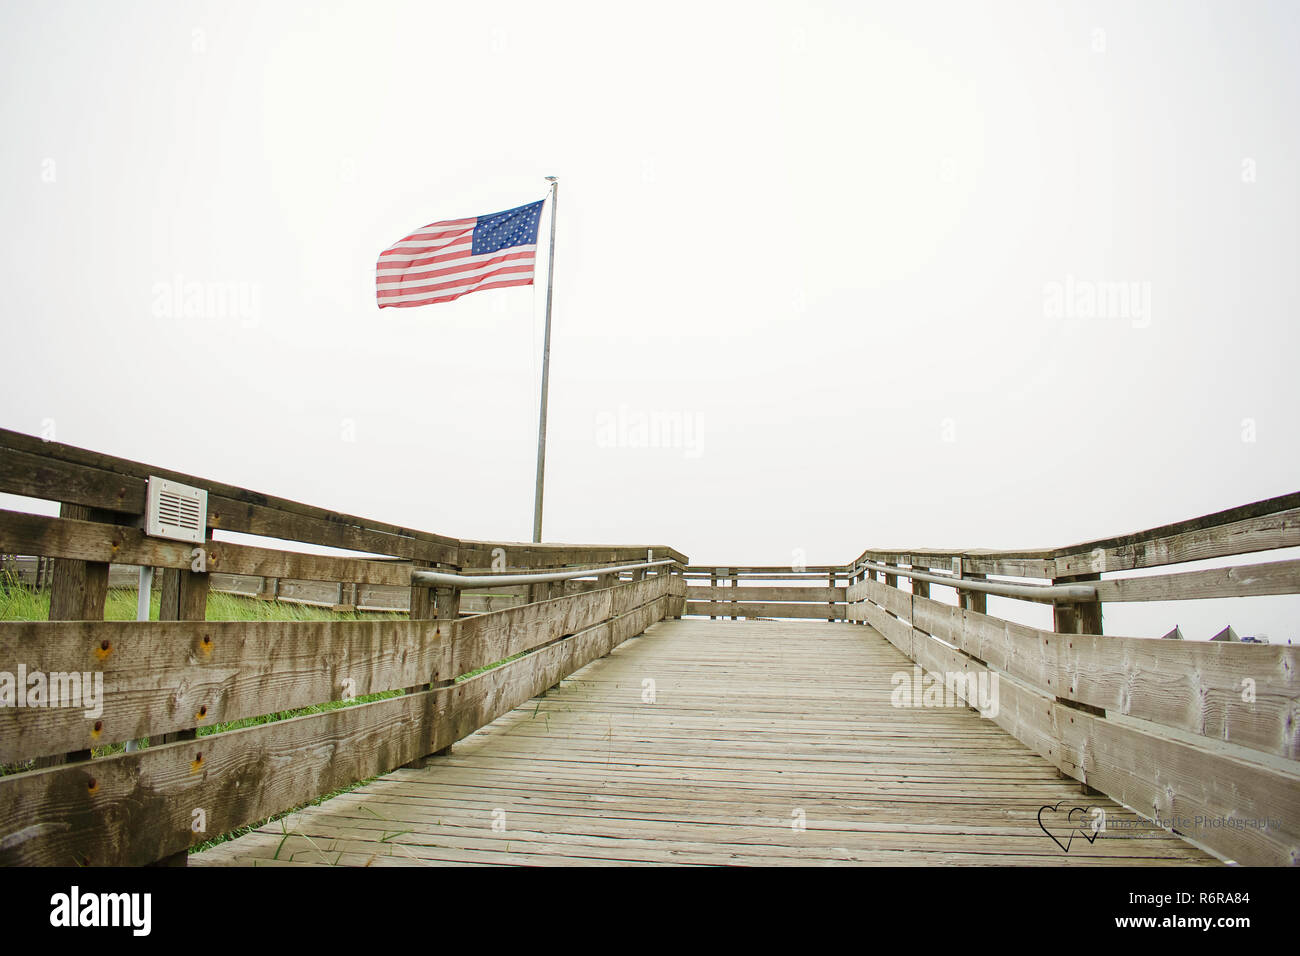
(514, 227)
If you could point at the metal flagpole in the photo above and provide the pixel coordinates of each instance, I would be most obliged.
(546, 371)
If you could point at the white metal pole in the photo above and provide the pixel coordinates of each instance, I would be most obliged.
(546, 371)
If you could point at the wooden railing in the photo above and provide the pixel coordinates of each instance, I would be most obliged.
(341, 596)
(174, 679)
(793, 591)
(1202, 736)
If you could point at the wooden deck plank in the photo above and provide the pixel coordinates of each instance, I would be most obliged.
(767, 743)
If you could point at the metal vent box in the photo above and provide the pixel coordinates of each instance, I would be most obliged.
(176, 511)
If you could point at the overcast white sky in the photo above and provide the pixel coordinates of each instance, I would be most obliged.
(846, 248)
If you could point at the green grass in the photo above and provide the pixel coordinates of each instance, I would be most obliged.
(21, 603)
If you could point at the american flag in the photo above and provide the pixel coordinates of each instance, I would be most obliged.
(445, 260)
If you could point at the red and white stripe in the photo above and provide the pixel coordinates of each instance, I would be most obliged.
(434, 264)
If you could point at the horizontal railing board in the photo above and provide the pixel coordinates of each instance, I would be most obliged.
(37, 476)
(527, 556)
(1263, 533)
(164, 676)
(749, 579)
(55, 480)
(1195, 686)
(487, 638)
(1258, 526)
(895, 599)
(1170, 780)
(129, 470)
(813, 570)
(1230, 521)
(823, 594)
(58, 472)
(978, 564)
(1013, 564)
(91, 541)
(1155, 775)
(1275, 577)
(135, 808)
(750, 609)
(1024, 652)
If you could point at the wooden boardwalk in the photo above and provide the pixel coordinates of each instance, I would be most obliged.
(720, 742)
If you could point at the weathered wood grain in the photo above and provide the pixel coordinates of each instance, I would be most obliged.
(526, 556)
(161, 677)
(735, 609)
(1275, 577)
(487, 638)
(164, 676)
(79, 588)
(1195, 686)
(108, 478)
(756, 727)
(1258, 526)
(1248, 812)
(22, 533)
(1165, 779)
(135, 808)
(889, 597)
(767, 594)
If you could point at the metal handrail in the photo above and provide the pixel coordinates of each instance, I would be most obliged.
(1047, 593)
(444, 579)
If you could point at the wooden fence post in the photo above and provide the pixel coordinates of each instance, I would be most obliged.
(447, 603)
(79, 588)
(183, 597)
(431, 604)
(713, 593)
(421, 601)
(859, 575)
(270, 589)
(1080, 618)
(78, 591)
(920, 588)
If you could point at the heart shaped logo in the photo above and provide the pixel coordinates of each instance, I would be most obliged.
(1083, 826)
(1069, 828)
(1065, 847)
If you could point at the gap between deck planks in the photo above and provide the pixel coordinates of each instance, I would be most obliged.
(755, 728)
